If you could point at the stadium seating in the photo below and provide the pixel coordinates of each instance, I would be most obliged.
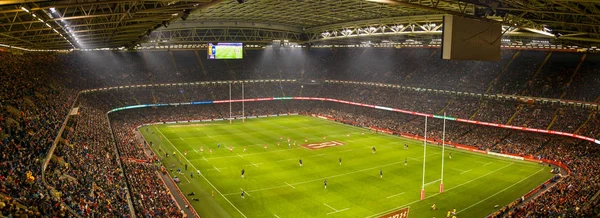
(39, 89)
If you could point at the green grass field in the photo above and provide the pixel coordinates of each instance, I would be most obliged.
(277, 186)
(229, 52)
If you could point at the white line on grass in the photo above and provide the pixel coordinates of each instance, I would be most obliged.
(215, 188)
(429, 183)
(256, 165)
(491, 196)
(320, 179)
(391, 196)
(462, 171)
(276, 215)
(346, 151)
(248, 193)
(287, 159)
(216, 168)
(181, 138)
(290, 185)
(186, 179)
(467, 182)
(488, 163)
(196, 150)
(337, 211)
(229, 156)
(329, 206)
(204, 159)
(239, 155)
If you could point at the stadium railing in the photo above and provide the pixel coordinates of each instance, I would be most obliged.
(51, 152)
(114, 143)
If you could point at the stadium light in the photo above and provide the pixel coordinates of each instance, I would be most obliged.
(25, 9)
(52, 10)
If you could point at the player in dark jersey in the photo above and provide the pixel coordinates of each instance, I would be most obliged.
(325, 184)
(300, 161)
(243, 172)
(340, 161)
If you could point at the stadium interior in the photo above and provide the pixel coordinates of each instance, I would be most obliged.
(79, 76)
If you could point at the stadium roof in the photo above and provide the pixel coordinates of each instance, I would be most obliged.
(67, 24)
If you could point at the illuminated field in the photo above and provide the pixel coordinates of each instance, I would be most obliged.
(276, 186)
(229, 52)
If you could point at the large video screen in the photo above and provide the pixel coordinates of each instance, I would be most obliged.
(225, 50)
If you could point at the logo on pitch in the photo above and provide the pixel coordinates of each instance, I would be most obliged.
(402, 213)
(315, 146)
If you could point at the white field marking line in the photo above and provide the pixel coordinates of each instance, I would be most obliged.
(230, 156)
(467, 182)
(459, 170)
(429, 183)
(254, 163)
(346, 150)
(466, 171)
(488, 163)
(391, 196)
(337, 211)
(181, 138)
(216, 168)
(276, 215)
(491, 196)
(196, 150)
(503, 159)
(329, 206)
(248, 193)
(318, 155)
(186, 179)
(287, 159)
(215, 188)
(239, 155)
(290, 185)
(204, 159)
(320, 179)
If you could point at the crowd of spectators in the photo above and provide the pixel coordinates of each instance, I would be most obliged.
(149, 196)
(530, 73)
(86, 170)
(33, 103)
(86, 173)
